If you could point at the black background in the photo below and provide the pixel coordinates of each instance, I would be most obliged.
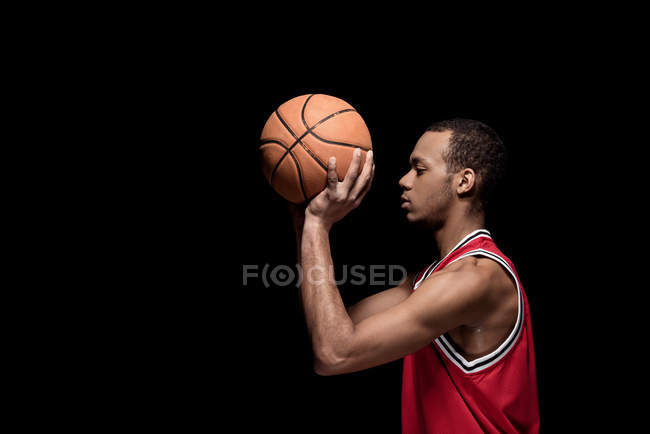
(214, 348)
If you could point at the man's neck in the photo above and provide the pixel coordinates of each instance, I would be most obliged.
(455, 230)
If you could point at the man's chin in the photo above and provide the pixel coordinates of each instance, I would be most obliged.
(411, 217)
(417, 221)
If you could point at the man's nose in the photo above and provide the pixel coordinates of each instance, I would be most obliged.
(405, 182)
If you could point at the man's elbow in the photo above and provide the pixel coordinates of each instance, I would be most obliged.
(322, 369)
(327, 363)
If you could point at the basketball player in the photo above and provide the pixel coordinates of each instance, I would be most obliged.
(462, 324)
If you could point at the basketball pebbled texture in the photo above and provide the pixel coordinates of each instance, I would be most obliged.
(299, 138)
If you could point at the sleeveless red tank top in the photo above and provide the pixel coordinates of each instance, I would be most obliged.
(496, 393)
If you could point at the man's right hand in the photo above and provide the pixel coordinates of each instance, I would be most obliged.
(339, 198)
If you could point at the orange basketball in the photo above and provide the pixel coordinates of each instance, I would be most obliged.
(300, 137)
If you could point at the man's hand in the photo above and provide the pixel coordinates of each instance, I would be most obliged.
(339, 198)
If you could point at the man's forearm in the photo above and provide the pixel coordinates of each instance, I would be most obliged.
(327, 319)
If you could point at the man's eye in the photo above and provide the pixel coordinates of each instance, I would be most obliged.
(419, 170)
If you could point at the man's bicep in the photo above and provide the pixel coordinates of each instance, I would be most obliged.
(435, 308)
(386, 336)
(381, 301)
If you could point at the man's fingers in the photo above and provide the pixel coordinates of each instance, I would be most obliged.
(332, 176)
(366, 189)
(353, 170)
(364, 178)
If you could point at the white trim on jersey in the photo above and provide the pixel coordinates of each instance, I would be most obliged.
(488, 360)
(431, 268)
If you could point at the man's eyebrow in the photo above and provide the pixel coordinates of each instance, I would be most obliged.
(416, 160)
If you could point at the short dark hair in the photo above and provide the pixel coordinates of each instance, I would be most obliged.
(476, 146)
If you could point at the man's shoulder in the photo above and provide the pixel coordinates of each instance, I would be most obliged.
(485, 273)
(461, 278)
(476, 287)
(470, 268)
(482, 275)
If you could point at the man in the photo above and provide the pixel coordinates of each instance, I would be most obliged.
(462, 325)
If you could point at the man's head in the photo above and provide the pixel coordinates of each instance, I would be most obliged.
(454, 167)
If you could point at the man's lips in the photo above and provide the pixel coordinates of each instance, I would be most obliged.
(405, 201)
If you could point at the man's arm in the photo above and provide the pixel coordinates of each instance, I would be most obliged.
(443, 302)
(326, 316)
(370, 305)
(381, 301)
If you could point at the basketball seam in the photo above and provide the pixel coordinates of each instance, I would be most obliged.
(279, 161)
(298, 167)
(277, 113)
(304, 121)
(272, 142)
(306, 148)
(282, 121)
(299, 139)
(310, 130)
(302, 184)
(314, 156)
(265, 142)
(332, 142)
(295, 160)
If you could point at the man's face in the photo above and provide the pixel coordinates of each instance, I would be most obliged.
(427, 193)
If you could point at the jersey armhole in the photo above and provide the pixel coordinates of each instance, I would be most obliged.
(449, 349)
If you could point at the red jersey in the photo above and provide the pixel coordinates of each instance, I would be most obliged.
(496, 393)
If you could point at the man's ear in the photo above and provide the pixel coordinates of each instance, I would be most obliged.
(466, 181)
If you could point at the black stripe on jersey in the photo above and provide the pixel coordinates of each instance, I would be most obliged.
(429, 270)
(470, 237)
(447, 343)
(432, 267)
(422, 275)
